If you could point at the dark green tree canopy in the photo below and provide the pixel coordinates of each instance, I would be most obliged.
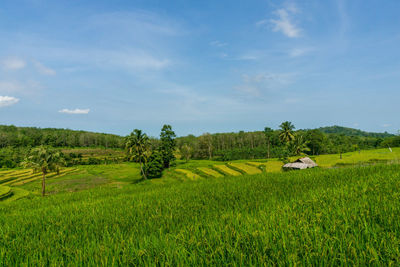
(167, 145)
(154, 165)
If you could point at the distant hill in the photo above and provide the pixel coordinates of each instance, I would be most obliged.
(352, 132)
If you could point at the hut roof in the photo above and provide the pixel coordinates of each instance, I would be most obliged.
(300, 164)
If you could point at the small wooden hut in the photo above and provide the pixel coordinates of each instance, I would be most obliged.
(300, 164)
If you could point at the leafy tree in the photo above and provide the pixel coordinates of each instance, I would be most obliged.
(44, 159)
(137, 145)
(286, 134)
(186, 152)
(206, 144)
(154, 165)
(316, 141)
(268, 136)
(299, 145)
(167, 146)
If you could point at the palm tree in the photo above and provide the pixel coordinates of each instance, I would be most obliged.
(137, 146)
(286, 134)
(43, 159)
(299, 145)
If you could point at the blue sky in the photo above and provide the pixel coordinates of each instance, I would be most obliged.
(201, 66)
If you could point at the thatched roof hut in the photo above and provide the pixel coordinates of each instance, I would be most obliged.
(301, 164)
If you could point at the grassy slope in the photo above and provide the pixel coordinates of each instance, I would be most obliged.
(347, 216)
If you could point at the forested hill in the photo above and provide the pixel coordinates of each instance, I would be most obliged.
(12, 136)
(352, 132)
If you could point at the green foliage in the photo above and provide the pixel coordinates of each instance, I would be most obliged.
(269, 133)
(154, 166)
(186, 152)
(137, 146)
(11, 136)
(286, 133)
(167, 145)
(299, 145)
(352, 132)
(44, 159)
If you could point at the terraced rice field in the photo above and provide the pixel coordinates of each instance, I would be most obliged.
(188, 174)
(228, 171)
(245, 168)
(210, 172)
(12, 178)
(20, 177)
(5, 192)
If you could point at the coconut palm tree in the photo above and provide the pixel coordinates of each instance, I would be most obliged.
(299, 145)
(137, 145)
(43, 159)
(286, 134)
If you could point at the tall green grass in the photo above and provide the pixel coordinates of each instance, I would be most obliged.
(314, 217)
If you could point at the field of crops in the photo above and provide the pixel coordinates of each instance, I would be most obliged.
(345, 216)
(85, 177)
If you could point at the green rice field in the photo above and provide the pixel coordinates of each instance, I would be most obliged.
(244, 212)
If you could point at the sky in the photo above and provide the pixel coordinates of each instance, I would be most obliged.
(200, 66)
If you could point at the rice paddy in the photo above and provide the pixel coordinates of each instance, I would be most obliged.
(5, 192)
(189, 174)
(245, 168)
(210, 172)
(227, 171)
(345, 216)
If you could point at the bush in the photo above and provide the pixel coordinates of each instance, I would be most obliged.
(154, 166)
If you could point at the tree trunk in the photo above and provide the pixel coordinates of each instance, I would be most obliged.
(268, 150)
(44, 185)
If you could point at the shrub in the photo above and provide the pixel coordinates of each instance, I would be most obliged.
(154, 166)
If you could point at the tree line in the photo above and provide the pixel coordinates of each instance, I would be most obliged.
(155, 155)
(280, 143)
(12, 136)
(16, 142)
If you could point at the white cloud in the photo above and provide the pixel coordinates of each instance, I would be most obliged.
(8, 101)
(386, 125)
(43, 69)
(74, 111)
(284, 23)
(13, 64)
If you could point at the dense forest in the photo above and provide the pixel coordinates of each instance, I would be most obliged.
(262, 144)
(15, 142)
(352, 132)
(12, 136)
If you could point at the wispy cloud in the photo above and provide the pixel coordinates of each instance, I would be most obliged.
(42, 69)
(133, 59)
(15, 87)
(13, 64)
(256, 85)
(285, 22)
(8, 101)
(297, 52)
(10, 87)
(74, 111)
(218, 43)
